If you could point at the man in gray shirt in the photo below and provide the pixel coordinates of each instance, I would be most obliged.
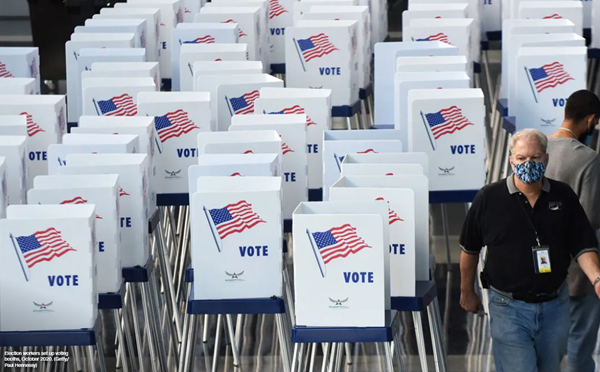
(573, 162)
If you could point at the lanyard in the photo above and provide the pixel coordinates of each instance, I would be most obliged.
(531, 222)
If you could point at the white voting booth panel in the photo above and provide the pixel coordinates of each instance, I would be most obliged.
(137, 26)
(425, 10)
(448, 125)
(262, 32)
(534, 40)
(547, 77)
(232, 165)
(127, 69)
(406, 81)
(247, 19)
(14, 150)
(21, 62)
(401, 205)
(292, 130)
(198, 33)
(524, 27)
(323, 54)
(88, 56)
(385, 67)
(46, 124)
(178, 118)
(171, 14)
(17, 85)
(153, 21)
(3, 187)
(299, 8)
(341, 264)
(47, 260)
(236, 97)
(89, 144)
(510, 8)
(72, 49)
(133, 204)
(191, 53)
(191, 8)
(361, 15)
(101, 191)
(571, 10)
(142, 126)
(280, 17)
(237, 238)
(113, 96)
(381, 169)
(13, 125)
(399, 158)
(338, 143)
(491, 20)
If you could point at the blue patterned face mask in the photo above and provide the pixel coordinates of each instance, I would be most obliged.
(530, 171)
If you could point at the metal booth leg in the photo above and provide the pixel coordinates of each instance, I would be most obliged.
(231, 333)
(131, 293)
(420, 340)
(124, 363)
(433, 313)
(217, 344)
(283, 341)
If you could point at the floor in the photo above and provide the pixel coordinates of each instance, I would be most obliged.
(466, 336)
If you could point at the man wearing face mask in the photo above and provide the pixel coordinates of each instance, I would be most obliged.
(579, 166)
(532, 226)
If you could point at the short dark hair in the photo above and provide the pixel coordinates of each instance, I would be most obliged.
(581, 104)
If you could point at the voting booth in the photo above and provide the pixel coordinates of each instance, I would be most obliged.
(389, 164)
(101, 191)
(178, 118)
(237, 238)
(292, 130)
(47, 260)
(401, 210)
(21, 62)
(191, 53)
(133, 202)
(323, 54)
(546, 78)
(385, 67)
(126, 69)
(341, 264)
(113, 96)
(14, 186)
(46, 124)
(573, 11)
(136, 26)
(18, 86)
(448, 125)
(338, 143)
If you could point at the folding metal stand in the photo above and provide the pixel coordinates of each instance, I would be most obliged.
(88, 338)
(366, 105)
(227, 308)
(114, 302)
(336, 340)
(351, 113)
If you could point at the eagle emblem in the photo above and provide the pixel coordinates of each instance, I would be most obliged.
(43, 306)
(321, 87)
(338, 302)
(173, 174)
(234, 275)
(547, 121)
(446, 170)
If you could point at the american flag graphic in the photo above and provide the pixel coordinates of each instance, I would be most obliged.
(173, 124)
(446, 121)
(298, 110)
(122, 192)
(245, 104)
(32, 128)
(42, 246)
(77, 200)
(549, 76)
(236, 174)
(33, 68)
(248, 152)
(339, 242)
(316, 47)
(368, 151)
(392, 214)
(201, 40)
(553, 16)
(234, 218)
(4, 73)
(285, 148)
(118, 106)
(240, 32)
(276, 9)
(437, 37)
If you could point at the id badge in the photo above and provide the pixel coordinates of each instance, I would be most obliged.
(541, 259)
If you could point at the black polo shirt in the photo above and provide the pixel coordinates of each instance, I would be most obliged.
(501, 218)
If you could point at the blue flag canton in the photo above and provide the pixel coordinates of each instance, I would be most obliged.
(538, 73)
(220, 215)
(434, 119)
(238, 103)
(28, 243)
(324, 239)
(161, 122)
(107, 106)
(305, 44)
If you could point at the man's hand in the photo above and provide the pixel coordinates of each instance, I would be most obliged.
(597, 289)
(472, 303)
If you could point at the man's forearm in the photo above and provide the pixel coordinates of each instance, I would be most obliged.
(468, 271)
(590, 264)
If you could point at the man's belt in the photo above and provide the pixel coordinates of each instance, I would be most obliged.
(530, 298)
